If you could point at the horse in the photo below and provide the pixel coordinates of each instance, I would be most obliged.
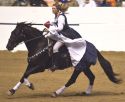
(40, 58)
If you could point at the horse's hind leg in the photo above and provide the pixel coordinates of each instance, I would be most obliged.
(91, 78)
(73, 78)
(69, 83)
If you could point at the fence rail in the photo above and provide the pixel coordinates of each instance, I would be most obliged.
(33, 24)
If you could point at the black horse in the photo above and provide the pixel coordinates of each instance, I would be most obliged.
(40, 57)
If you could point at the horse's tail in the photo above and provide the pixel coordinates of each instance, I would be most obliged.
(106, 65)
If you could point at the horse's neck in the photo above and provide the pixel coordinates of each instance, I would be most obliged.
(30, 47)
(33, 47)
(33, 43)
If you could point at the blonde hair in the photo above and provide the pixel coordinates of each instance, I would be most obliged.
(63, 7)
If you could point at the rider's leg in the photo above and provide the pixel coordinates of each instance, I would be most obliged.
(56, 47)
(56, 55)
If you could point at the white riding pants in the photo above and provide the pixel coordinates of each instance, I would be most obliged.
(57, 46)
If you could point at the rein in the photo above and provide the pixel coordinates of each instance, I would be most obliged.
(32, 39)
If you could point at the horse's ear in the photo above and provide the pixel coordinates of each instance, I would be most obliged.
(29, 24)
(20, 23)
(23, 22)
(17, 24)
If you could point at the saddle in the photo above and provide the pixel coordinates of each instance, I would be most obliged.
(64, 58)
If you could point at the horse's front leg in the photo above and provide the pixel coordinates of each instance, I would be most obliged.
(71, 81)
(23, 80)
(30, 70)
(16, 87)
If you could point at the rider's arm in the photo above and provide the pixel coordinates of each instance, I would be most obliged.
(61, 23)
(54, 29)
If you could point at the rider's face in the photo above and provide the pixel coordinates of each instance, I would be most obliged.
(55, 10)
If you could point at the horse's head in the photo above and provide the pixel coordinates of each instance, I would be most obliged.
(17, 36)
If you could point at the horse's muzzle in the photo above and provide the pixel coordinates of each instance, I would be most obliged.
(9, 48)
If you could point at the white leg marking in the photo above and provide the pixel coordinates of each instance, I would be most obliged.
(26, 82)
(17, 86)
(60, 90)
(89, 89)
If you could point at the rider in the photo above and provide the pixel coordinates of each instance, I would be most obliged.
(63, 34)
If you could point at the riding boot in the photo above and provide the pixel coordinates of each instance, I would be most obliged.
(55, 59)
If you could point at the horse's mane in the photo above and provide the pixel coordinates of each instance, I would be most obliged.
(30, 28)
(24, 24)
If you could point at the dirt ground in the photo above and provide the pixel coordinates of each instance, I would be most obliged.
(12, 66)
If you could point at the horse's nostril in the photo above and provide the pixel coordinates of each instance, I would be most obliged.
(9, 48)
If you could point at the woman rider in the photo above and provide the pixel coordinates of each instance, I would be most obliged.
(63, 34)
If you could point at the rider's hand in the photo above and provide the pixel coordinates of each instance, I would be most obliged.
(47, 24)
(45, 30)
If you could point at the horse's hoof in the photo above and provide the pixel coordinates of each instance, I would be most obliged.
(54, 95)
(31, 86)
(52, 69)
(11, 92)
(85, 94)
